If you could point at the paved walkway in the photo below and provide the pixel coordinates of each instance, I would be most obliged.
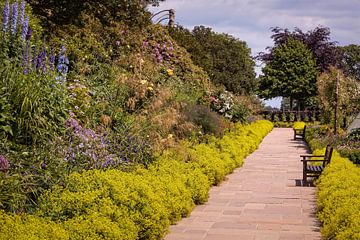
(260, 200)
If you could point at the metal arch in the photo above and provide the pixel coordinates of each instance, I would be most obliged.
(167, 10)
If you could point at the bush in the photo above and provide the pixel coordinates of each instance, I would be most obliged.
(210, 122)
(141, 204)
(298, 125)
(338, 195)
(339, 200)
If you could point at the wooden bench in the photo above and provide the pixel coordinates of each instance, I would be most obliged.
(315, 170)
(299, 133)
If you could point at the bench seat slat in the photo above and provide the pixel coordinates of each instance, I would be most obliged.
(315, 169)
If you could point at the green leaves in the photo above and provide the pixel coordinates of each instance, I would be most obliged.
(227, 60)
(291, 72)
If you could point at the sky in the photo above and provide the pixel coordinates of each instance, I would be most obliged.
(251, 20)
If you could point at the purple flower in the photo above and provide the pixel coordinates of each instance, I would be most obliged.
(40, 60)
(29, 33)
(62, 66)
(52, 62)
(73, 123)
(14, 17)
(4, 164)
(25, 28)
(5, 20)
(25, 63)
(22, 12)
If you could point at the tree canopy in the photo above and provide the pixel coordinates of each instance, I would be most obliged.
(290, 73)
(225, 58)
(317, 40)
(58, 12)
(350, 61)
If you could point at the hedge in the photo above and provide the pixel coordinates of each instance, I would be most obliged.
(140, 204)
(338, 197)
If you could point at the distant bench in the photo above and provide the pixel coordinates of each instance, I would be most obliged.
(312, 170)
(299, 133)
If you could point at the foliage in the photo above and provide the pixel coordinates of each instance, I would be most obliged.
(71, 12)
(298, 125)
(34, 103)
(227, 60)
(320, 136)
(337, 192)
(290, 73)
(339, 200)
(234, 108)
(350, 61)
(136, 205)
(210, 122)
(348, 95)
(317, 41)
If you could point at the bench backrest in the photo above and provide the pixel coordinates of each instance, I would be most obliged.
(304, 130)
(328, 155)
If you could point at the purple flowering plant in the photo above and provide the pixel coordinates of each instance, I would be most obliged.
(161, 52)
(89, 149)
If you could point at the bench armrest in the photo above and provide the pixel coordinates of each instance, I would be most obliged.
(309, 160)
(308, 156)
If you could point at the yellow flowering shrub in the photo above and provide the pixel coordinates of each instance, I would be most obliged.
(28, 227)
(298, 125)
(141, 204)
(338, 199)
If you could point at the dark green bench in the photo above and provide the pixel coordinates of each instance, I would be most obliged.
(299, 133)
(315, 170)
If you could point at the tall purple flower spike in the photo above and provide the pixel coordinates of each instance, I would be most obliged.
(5, 20)
(14, 17)
(22, 13)
(25, 28)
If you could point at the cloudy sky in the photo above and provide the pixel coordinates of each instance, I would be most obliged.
(251, 20)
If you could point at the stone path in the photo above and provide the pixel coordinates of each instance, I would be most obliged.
(260, 200)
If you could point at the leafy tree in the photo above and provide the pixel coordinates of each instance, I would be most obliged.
(348, 95)
(226, 59)
(62, 12)
(317, 40)
(350, 60)
(290, 73)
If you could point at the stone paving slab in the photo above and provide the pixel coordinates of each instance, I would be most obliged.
(261, 200)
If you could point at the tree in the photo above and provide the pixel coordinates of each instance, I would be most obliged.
(290, 73)
(346, 99)
(317, 40)
(226, 59)
(62, 12)
(350, 60)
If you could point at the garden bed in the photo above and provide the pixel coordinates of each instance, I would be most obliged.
(97, 204)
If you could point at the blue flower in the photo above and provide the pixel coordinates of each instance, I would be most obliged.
(25, 63)
(5, 20)
(62, 65)
(22, 13)
(14, 17)
(25, 28)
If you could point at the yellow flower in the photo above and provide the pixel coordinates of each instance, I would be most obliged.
(170, 72)
(143, 82)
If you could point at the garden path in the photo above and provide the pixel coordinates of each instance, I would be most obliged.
(261, 200)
